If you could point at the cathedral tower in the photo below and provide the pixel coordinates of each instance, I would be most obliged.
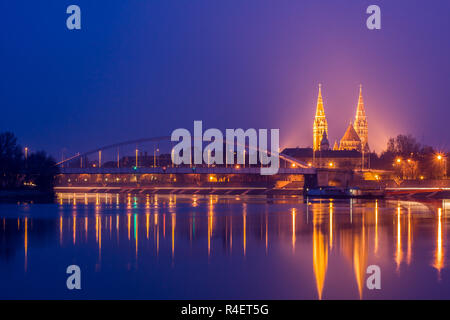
(360, 123)
(320, 122)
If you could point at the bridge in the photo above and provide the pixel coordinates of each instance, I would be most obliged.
(156, 173)
(184, 170)
(292, 165)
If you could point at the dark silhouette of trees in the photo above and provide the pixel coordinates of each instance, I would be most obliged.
(10, 160)
(404, 146)
(40, 170)
(16, 172)
(404, 152)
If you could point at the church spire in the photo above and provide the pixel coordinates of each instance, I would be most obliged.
(360, 124)
(360, 112)
(319, 108)
(320, 121)
(336, 146)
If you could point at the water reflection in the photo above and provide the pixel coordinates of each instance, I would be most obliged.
(320, 252)
(398, 252)
(286, 238)
(439, 253)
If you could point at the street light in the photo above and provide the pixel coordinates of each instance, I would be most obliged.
(137, 151)
(441, 158)
(154, 156)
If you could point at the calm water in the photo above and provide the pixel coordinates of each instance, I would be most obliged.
(169, 247)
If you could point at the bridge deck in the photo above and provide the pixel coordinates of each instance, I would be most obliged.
(177, 190)
(182, 170)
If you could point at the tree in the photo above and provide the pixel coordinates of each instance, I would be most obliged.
(411, 160)
(11, 161)
(403, 145)
(40, 170)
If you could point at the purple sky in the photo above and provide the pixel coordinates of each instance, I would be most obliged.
(144, 68)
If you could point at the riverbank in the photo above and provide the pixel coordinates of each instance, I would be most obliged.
(26, 195)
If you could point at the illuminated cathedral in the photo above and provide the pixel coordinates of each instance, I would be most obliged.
(354, 138)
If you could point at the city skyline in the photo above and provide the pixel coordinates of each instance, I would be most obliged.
(108, 81)
(193, 154)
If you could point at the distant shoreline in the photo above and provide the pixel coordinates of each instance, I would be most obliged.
(26, 195)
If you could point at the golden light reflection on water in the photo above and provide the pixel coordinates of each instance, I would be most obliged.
(409, 250)
(85, 228)
(147, 223)
(376, 227)
(360, 256)
(399, 252)
(60, 229)
(244, 228)
(267, 233)
(293, 229)
(136, 233)
(173, 234)
(320, 252)
(26, 243)
(231, 234)
(340, 234)
(331, 225)
(157, 234)
(129, 225)
(439, 251)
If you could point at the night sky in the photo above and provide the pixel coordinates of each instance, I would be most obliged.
(144, 68)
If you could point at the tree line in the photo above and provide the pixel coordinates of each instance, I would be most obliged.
(412, 160)
(20, 171)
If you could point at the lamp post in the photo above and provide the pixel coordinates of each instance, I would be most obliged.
(137, 151)
(26, 156)
(209, 156)
(398, 162)
(118, 158)
(445, 167)
(441, 158)
(362, 160)
(155, 150)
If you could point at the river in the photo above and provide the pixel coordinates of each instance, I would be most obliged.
(224, 247)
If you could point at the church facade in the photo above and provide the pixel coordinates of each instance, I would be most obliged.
(356, 137)
(348, 153)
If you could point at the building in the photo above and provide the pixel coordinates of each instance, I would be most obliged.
(324, 144)
(320, 122)
(350, 140)
(348, 152)
(360, 124)
(356, 137)
(333, 159)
